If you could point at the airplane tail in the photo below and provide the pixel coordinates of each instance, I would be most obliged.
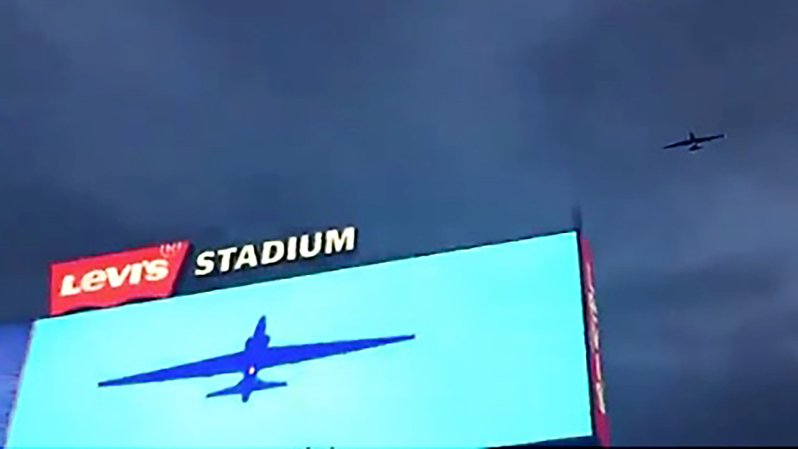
(246, 387)
(260, 328)
(259, 338)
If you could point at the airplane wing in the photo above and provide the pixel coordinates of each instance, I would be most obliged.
(238, 362)
(286, 355)
(709, 138)
(230, 363)
(680, 143)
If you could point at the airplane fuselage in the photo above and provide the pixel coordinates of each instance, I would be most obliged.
(248, 384)
(257, 343)
(254, 349)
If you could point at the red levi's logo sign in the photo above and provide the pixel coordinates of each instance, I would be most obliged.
(113, 279)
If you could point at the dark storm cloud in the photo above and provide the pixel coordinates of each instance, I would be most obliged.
(431, 125)
(640, 75)
(261, 121)
(694, 251)
(42, 219)
(694, 344)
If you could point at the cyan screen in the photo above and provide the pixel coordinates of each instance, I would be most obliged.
(498, 358)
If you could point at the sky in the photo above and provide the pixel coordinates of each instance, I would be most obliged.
(433, 125)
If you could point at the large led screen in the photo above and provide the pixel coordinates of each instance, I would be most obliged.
(471, 348)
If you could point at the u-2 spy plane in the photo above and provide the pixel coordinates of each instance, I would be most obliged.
(257, 355)
(693, 142)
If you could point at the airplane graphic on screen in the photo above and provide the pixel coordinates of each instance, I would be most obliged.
(257, 355)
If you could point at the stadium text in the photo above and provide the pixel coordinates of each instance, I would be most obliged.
(270, 252)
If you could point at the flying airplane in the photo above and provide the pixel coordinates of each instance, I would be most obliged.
(694, 142)
(257, 355)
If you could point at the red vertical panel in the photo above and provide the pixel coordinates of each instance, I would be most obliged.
(600, 419)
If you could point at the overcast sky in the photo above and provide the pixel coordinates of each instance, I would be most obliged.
(433, 124)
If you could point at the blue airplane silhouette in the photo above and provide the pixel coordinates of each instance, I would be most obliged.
(257, 355)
